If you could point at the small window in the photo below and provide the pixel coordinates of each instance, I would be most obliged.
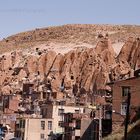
(61, 103)
(60, 123)
(77, 111)
(43, 125)
(78, 124)
(42, 136)
(44, 95)
(125, 91)
(77, 137)
(1, 100)
(108, 114)
(60, 112)
(22, 124)
(68, 118)
(49, 125)
(123, 108)
(44, 112)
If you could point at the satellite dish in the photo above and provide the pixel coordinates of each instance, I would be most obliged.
(48, 91)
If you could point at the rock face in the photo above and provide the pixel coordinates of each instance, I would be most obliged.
(82, 69)
(128, 59)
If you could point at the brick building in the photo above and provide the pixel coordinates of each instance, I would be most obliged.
(120, 91)
(9, 103)
(8, 106)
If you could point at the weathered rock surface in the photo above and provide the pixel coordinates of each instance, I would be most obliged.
(84, 68)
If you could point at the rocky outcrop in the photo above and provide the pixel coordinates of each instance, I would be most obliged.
(82, 70)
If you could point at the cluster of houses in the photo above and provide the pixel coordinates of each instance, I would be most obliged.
(48, 115)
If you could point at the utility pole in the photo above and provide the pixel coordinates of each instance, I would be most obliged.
(127, 115)
(27, 128)
(100, 122)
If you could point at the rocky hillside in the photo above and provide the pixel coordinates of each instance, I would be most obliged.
(83, 58)
(68, 34)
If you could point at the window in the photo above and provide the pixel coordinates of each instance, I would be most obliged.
(60, 102)
(60, 112)
(42, 136)
(77, 111)
(1, 101)
(125, 91)
(60, 123)
(43, 125)
(108, 114)
(44, 95)
(22, 124)
(78, 124)
(44, 112)
(49, 125)
(123, 108)
(77, 137)
(18, 134)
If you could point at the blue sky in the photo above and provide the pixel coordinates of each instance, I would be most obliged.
(23, 15)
